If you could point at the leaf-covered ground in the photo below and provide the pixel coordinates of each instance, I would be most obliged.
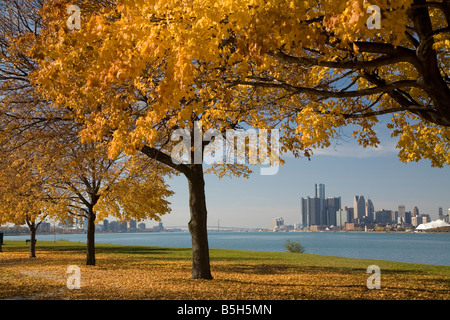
(131, 272)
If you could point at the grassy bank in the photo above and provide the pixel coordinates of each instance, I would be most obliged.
(135, 272)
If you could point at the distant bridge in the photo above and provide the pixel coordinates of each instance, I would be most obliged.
(210, 228)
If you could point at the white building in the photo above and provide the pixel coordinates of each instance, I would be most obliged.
(341, 217)
(278, 223)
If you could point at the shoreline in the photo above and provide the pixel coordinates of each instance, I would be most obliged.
(45, 243)
(6, 234)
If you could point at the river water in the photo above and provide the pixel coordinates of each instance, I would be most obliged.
(425, 248)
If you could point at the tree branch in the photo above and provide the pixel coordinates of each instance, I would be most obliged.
(355, 65)
(160, 156)
(331, 94)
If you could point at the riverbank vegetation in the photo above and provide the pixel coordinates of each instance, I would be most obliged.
(137, 272)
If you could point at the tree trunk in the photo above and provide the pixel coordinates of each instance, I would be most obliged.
(197, 205)
(90, 256)
(198, 223)
(33, 229)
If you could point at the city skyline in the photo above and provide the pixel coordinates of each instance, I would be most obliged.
(256, 201)
(320, 212)
(345, 168)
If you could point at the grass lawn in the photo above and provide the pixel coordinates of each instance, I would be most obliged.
(135, 272)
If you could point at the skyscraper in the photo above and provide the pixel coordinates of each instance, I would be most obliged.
(319, 210)
(311, 211)
(350, 213)
(401, 214)
(370, 210)
(332, 205)
(320, 191)
(105, 225)
(359, 208)
(342, 216)
(383, 217)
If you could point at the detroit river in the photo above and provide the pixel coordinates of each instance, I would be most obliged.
(425, 248)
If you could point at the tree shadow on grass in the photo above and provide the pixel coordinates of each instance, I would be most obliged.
(394, 283)
(80, 248)
(167, 253)
(278, 268)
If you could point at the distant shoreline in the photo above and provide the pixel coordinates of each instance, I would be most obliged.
(5, 234)
(419, 248)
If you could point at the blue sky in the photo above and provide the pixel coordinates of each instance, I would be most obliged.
(346, 170)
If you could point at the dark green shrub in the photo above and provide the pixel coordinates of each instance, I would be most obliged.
(294, 246)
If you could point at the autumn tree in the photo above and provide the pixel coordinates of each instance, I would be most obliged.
(135, 71)
(135, 112)
(24, 196)
(41, 145)
(330, 64)
(55, 176)
(96, 186)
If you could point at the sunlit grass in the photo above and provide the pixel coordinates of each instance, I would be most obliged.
(135, 272)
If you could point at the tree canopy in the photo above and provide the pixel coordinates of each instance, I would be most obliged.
(312, 65)
(47, 172)
(133, 71)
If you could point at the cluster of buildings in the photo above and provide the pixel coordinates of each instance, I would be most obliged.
(278, 225)
(322, 213)
(319, 210)
(80, 225)
(132, 226)
(107, 226)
